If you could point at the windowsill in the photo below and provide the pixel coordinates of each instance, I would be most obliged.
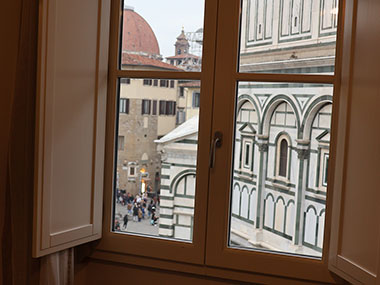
(181, 267)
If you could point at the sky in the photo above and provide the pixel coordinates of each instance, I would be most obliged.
(167, 17)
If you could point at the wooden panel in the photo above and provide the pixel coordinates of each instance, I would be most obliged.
(355, 236)
(70, 125)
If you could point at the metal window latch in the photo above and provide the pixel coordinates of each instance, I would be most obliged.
(216, 143)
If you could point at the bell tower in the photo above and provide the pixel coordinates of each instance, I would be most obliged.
(182, 44)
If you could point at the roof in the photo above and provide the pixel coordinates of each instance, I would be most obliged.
(184, 55)
(189, 127)
(135, 59)
(138, 36)
(193, 83)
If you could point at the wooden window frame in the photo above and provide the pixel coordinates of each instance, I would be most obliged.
(132, 244)
(218, 253)
(212, 254)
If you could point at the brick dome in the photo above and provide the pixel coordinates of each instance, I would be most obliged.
(138, 36)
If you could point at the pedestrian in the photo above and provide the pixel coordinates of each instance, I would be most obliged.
(135, 212)
(153, 219)
(139, 213)
(150, 208)
(117, 225)
(129, 207)
(125, 219)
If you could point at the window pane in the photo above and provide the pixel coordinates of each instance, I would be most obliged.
(278, 204)
(156, 167)
(288, 36)
(162, 35)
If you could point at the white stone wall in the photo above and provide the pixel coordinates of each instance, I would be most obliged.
(177, 196)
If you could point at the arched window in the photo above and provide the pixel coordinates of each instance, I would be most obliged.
(283, 163)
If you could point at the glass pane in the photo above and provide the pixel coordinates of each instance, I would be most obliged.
(278, 201)
(288, 36)
(156, 165)
(162, 35)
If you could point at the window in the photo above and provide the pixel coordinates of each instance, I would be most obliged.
(145, 107)
(247, 154)
(120, 143)
(181, 91)
(147, 82)
(124, 106)
(162, 107)
(154, 111)
(167, 107)
(283, 158)
(155, 82)
(125, 80)
(164, 83)
(276, 106)
(171, 83)
(284, 91)
(196, 99)
(132, 171)
(170, 108)
(325, 169)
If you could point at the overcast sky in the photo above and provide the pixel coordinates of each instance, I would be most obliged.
(167, 17)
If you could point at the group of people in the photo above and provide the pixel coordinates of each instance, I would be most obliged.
(139, 207)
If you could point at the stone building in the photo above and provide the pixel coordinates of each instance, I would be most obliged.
(282, 134)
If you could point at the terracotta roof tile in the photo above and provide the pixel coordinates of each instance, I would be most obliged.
(134, 59)
(194, 83)
(138, 36)
(184, 55)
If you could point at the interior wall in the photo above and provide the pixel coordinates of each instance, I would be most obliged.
(99, 272)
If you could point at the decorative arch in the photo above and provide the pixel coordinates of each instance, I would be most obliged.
(179, 176)
(290, 202)
(313, 208)
(252, 204)
(310, 226)
(310, 113)
(290, 221)
(236, 197)
(245, 97)
(280, 198)
(322, 212)
(244, 202)
(271, 107)
(269, 207)
(238, 185)
(269, 195)
(279, 214)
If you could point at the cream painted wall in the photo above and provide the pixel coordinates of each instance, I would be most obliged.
(136, 90)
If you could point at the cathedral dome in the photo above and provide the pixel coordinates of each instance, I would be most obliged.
(138, 36)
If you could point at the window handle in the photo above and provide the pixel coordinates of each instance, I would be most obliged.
(216, 143)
